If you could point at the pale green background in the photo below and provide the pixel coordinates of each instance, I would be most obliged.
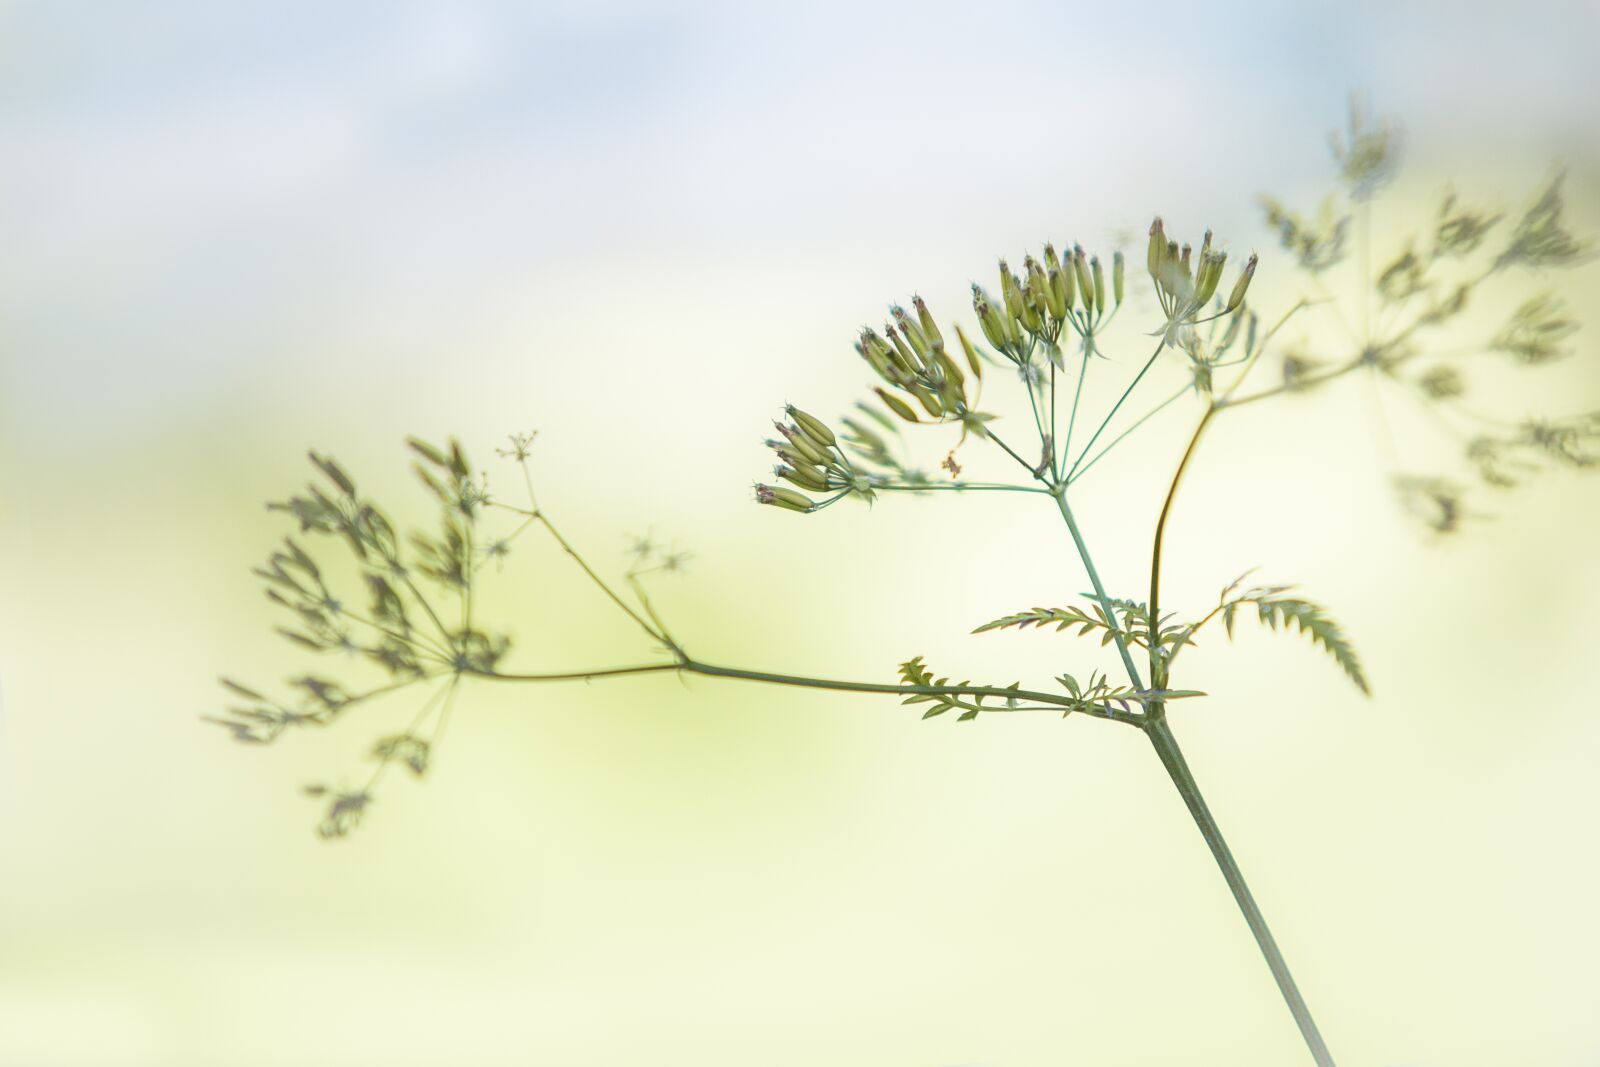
(231, 232)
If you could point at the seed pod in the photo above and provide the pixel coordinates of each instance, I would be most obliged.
(1060, 291)
(928, 399)
(778, 496)
(1080, 266)
(819, 433)
(1099, 285)
(793, 457)
(1013, 324)
(1211, 267)
(971, 353)
(1237, 296)
(877, 354)
(951, 395)
(988, 318)
(911, 332)
(1050, 295)
(1156, 255)
(896, 405)
(1174, 278)
(1117, 272)
(803, 445)
(1010, 292)
(1033, 311)
(904, 357)
(805, 477)
(930, 329)
(951, 369)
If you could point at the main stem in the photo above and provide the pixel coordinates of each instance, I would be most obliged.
(1171, 756)
(1154, 724)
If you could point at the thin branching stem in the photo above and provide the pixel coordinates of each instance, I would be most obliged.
(1079, 472)
(687, 665)
(1118, 405)
(963, 487)
(611, 594)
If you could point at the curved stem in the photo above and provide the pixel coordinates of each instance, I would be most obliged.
(1171, 756)
(1157, 668)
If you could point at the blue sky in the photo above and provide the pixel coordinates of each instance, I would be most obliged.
(193, 189)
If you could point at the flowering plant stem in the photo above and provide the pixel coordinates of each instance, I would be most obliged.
(1154, 724)
(1152, 720)
(1171, 755)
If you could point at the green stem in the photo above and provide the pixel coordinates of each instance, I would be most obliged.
(1158, 671)
(1077, 395)
(1137, 378)
(961, 487)
(1099, 589)
(710, 670)
(1078, 472)
(1171, 756)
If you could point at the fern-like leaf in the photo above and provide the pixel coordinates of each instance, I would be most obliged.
(1278, 610)
(914, 672)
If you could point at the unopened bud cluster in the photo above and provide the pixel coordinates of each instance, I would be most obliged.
(1051, 294)
(810, 459)
(1186, 281)
(912, 359)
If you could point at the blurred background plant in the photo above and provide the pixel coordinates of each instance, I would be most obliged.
(1399, 323)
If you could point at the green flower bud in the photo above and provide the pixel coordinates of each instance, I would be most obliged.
(896, 405)
(1080, 266)
(988, 318)
(1210, 276)
(783, 498)
(1048, 292)
(911, 332)
(800, 444)
(971, 352)
(1156, 256)
(928, 399)
(930, 329)
(1116, 277)
(819, 433)
(1010, 292)
(1237, 296)
(806, 477)
(907, 359)
(1099, 285)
